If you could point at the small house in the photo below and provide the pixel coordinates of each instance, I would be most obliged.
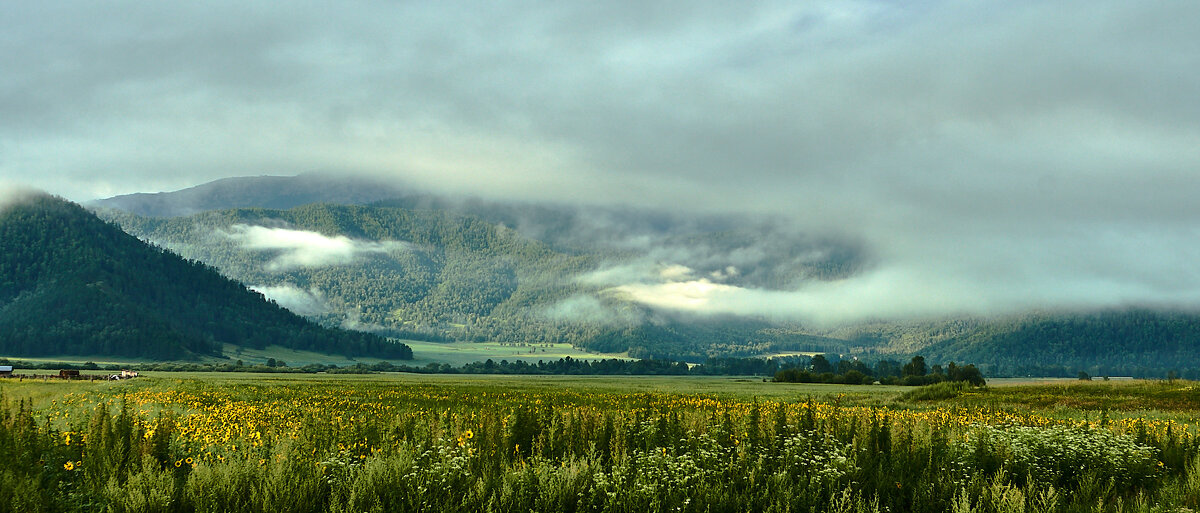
(6, 371)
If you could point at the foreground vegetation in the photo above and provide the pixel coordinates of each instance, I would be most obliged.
(221, 442)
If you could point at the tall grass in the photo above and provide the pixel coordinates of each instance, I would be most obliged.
(596, 452)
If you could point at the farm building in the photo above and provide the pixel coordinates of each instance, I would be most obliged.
(6, 371)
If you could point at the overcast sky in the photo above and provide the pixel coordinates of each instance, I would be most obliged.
(992, 153)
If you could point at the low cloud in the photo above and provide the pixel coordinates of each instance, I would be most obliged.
(940, 276)
(299, 301)
(353, 321)
(305, 249)
(11, 193)
(880, 294)
(904, 292)
(585, 308)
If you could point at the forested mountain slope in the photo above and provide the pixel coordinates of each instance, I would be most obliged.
(71, 283)
(1115, 342)
(767, 252)
(437, 274)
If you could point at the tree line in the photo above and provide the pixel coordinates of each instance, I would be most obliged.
(888, 372)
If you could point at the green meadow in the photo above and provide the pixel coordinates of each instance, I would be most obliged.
(399, 442)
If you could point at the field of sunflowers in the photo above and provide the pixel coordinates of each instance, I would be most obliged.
(395, 442)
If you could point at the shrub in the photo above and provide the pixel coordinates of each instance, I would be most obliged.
(936, 391)
(1063, 456)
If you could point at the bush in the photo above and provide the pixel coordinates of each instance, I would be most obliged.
(936, 391)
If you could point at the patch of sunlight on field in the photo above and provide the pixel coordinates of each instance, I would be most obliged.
(458, 353)
(292, 357)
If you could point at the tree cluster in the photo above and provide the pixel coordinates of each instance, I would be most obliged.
(888, 372)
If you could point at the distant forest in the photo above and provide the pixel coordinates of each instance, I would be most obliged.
(1139, 343)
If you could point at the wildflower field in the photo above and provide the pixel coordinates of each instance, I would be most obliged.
(271, 443)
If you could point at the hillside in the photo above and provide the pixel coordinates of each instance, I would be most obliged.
(1116, 342)
(442, 275)
(772, 255)
(71, 283)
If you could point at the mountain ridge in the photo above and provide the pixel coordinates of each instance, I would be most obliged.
(265, 191)
(71, 283)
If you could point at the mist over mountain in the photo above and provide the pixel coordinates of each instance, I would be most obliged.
(756, 251)
(71, 284)
(441, 274)
(441, 267)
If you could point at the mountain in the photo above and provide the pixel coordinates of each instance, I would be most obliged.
(444, 275)
(767, 253)
(253, 191)
(420, 265)
(72, 284)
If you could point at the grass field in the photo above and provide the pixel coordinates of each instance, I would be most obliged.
(400, 442)
(453, 353)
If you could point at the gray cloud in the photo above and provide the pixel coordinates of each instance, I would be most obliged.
(303, 302)
(991, 155)
(594, 310)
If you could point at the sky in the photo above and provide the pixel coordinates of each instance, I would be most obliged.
(995, 155)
